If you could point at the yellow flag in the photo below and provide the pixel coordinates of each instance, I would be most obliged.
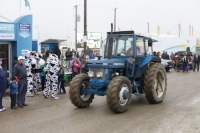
(192, 31)
(158, 30)
(189, 30)
(118, 29)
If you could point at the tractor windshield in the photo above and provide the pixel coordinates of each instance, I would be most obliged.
(121, 44)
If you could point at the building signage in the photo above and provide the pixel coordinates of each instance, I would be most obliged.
(25, 51)
(7, 31)
(24, 30)
(94, 40)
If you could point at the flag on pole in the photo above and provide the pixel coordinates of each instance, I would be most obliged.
(158, 30)
(27, 4)
(189, 29)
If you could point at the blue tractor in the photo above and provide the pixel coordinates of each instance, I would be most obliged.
(128, 67)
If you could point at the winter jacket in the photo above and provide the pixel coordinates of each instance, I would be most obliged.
(13, 87)
(68, 55)
(61, 75)
(178, 60)
(75, 66)
(3, 80)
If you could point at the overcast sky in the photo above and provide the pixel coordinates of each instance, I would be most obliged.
(56, 18)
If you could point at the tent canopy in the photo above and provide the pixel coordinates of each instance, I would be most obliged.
(49, 41)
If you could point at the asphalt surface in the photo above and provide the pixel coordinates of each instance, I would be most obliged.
(178, 113)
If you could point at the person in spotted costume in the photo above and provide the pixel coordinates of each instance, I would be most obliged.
(28, 61)
(52, 68)
(32, 62)
(36, 72)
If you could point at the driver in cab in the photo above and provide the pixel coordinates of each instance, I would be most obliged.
(130, 50)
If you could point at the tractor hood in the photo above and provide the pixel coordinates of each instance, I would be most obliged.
(106, 63)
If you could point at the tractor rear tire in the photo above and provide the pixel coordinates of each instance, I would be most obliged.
(155, 83)
(79, 81)
(118, 88)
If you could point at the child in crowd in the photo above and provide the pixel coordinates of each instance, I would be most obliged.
(13, 92)
(61, 80)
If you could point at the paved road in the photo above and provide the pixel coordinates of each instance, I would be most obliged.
(179, 113)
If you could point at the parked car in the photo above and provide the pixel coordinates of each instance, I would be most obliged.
(167, 64)
(189, 55)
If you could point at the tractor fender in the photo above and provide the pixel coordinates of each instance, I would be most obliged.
(146, 60)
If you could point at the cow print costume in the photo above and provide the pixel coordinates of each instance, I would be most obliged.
(36, 72)
(33, 61)
(51, 69)
(28, 61)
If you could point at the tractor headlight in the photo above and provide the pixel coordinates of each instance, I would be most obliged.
(99, 74)
(91, 74)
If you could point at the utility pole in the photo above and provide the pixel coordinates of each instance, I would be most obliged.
(115, 19)
(85, 25)
(148, 26)
(76, 25)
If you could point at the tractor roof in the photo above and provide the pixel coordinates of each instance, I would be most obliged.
(131, 32)
(121, 32)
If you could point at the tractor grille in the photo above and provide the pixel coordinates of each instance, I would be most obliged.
(95, 70)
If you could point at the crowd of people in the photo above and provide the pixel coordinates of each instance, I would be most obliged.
(180, 62)
(35, 69)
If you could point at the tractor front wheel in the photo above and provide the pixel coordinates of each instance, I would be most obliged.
(119, 94)
(79, 82)
(155, 83)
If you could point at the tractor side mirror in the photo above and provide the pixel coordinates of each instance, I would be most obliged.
(150, 42)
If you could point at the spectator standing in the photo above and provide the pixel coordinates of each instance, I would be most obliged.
(78, 55)
(68, 55)
(13, 92)
(154, 53)
(196, 61)
(14, 63)
(92, 56)
(61, 81)
(178, 62)
(185, 62)
(75, 65)
(4, 84)
(158, 54)
(167, 56)
(174, 60)
(57, 51)
(73, 53)
(21, 74)
(47, 53)
(172, 56)
(163, 55)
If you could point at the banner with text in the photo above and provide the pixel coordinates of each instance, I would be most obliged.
(7, 31)
(24, 30)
